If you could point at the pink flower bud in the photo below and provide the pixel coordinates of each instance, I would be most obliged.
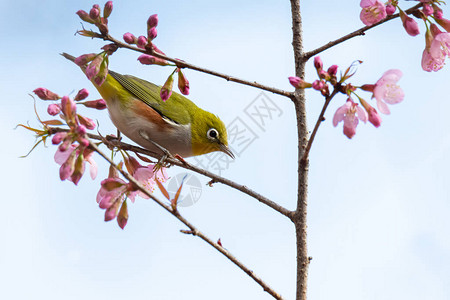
(299, 83)
(183, 83)
(81, 130)
(390, 9)
(85, 121)
(85, 16)
(332, 70)
(152, 33)
(318, 85)
(84, 59)
(101, 75)
(107, 9)
(152, 21)
(122, 217)
(53, 109)
(368, 87)
(318, 64)
(146, 59)
(110, 48)
(438, 14)
(68, 166)
(81, 95)
(157, 50)
(94, 13)
(112, 211)
(374, 117)
(166, 90)
(94, 67)
(129, 38)
(323, 74)
(427, 9)
(411, 26)
(68, 107)
(58, 137)
(83, 142)
(45, 94)
(97, 104)
(141, 42)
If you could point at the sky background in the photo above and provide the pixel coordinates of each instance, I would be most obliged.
(378, 204)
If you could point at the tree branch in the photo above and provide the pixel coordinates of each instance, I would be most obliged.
(299, 217)
(193, 229)
(183, 64)
(319, 121)
(361, 31)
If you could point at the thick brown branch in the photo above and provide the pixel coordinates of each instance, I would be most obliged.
(299, 217)
(194, 231)
(358, 32)
(183, 64)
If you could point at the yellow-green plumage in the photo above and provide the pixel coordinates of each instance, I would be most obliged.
(136, 109)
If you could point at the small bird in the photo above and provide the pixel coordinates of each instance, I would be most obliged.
(177, 125)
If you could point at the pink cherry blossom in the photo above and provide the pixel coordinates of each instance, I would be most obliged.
(430, 63)
(350, 112)
(440, 46)
(387, 91)
(372, 11)
(67, 161)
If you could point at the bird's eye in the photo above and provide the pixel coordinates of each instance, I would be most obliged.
(212, 134)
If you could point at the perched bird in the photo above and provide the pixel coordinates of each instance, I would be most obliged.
(178, 125)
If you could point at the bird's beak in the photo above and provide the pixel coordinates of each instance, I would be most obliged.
(226, 150)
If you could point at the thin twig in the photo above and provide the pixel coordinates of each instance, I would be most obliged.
(319, 121)
(215, 178)
(193, 230)
(358, 32)
(183, 64)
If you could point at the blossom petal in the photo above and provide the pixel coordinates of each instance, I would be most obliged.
(382, 107)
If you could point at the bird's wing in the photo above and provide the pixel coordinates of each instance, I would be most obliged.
(176, 108)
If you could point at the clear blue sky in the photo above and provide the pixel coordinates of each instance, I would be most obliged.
(378, 204)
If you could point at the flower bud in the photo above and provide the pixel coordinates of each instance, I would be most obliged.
(152, 33)
(299, 83)
(122, 217)
(374, 117)
(68, 107)
(45, 94)
(97, 104)
(438, 14)
(390, 9)
(94, 13)
(101, 75)
(154, 48)
(152, 21)
(86, 123)
(183, 83)
(68, 166)
(84, 59)
(94, 67)
(332, 71)
(141, 42)
(323, 74)
(58, 137)
(146, 59)
(85, 16)
(318, 85)
(107, 9)
(411, 26)
(81, 95)
(166, 90)
(427, 9)
(368, 87)
(318, 64)
(110, 48)
(129, 38)
(53, 109)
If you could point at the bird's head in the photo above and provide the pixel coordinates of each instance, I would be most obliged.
(208, 134)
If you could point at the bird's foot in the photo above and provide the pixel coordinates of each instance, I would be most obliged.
(162, 160)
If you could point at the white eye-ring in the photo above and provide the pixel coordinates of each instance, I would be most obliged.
(212, 134)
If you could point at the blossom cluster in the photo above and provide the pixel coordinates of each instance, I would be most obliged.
(73, 150)
(114, 191)
(147, 59)
(437, 42)
(385, 91)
